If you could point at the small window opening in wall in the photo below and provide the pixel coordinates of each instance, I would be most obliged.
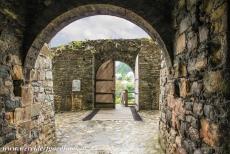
(17, 87)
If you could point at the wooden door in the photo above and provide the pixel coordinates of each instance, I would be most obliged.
(105, 86)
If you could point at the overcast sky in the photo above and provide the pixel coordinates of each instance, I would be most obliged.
(98, 27)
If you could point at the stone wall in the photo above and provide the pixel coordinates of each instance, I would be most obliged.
(11, 72)
(74, 61)
(195, 101)
(29, 113)
(195, 91)
(149, 75)
(42, 108)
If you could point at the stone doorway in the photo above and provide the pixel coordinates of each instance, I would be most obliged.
(124, 84)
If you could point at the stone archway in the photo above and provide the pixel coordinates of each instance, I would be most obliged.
(64, 19)
(80, 12)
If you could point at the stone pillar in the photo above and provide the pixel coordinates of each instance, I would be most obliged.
(42, 108)
(149, 75)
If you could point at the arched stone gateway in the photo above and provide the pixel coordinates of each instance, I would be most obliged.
(80, 60)
(46, 34)
(195, 91)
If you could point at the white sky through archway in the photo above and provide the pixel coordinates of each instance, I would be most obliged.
(98, 27)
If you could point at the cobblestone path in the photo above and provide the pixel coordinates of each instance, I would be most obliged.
(108, 136)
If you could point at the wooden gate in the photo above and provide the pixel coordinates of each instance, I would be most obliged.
(105, 85)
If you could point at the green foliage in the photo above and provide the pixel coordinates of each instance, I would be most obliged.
(76, 44)
(124, 82)
(122, 69)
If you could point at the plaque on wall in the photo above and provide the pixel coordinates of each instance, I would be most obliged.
(76, 85)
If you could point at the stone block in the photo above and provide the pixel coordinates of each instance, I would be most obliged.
(192, 120)
(10, 136)
(8, 83)
(22, 114)
(1, 141)
(198, 151)
(192, 43)
(185, 24)
(4, 91)
(168, 116)
(198, 64)
(203, 33)
(1, 104)
(219, 26)
(179, 107)
(180, 70)
(23, 129)
(216, 52)
(34, 75)
(216, 57)
(198, 109)
(175, 120)
(219, 12)
(34, 134)
(35, 109)
(17, 72)
(180, 44)
(194, 134)
(178, 141)
(18, 115)
(181, 4)
(49, 75)
(189, 146)
(201, 63)
(4, 71)
(19, 142)
(48, 83)
(191, 4)
(15, 59)
(170, 88)
(184, 87)
(213, 81)
(208, 6)
(11, 105)
(41, 75)
(183, 128)
(171, 101)
(196, 88)
(209, 132)
(27, 95)
(181, 150)
(27, 113)
(41, 97)
(188, 106)
(9, 116)
(209, 112)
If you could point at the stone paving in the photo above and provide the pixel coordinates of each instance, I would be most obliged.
(108, 136)
(120, 113)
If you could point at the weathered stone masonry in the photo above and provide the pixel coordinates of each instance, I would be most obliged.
(75, 61)
(11, 40)
(30, 115)
(195, 109)
(42, 108)
(195, 103)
